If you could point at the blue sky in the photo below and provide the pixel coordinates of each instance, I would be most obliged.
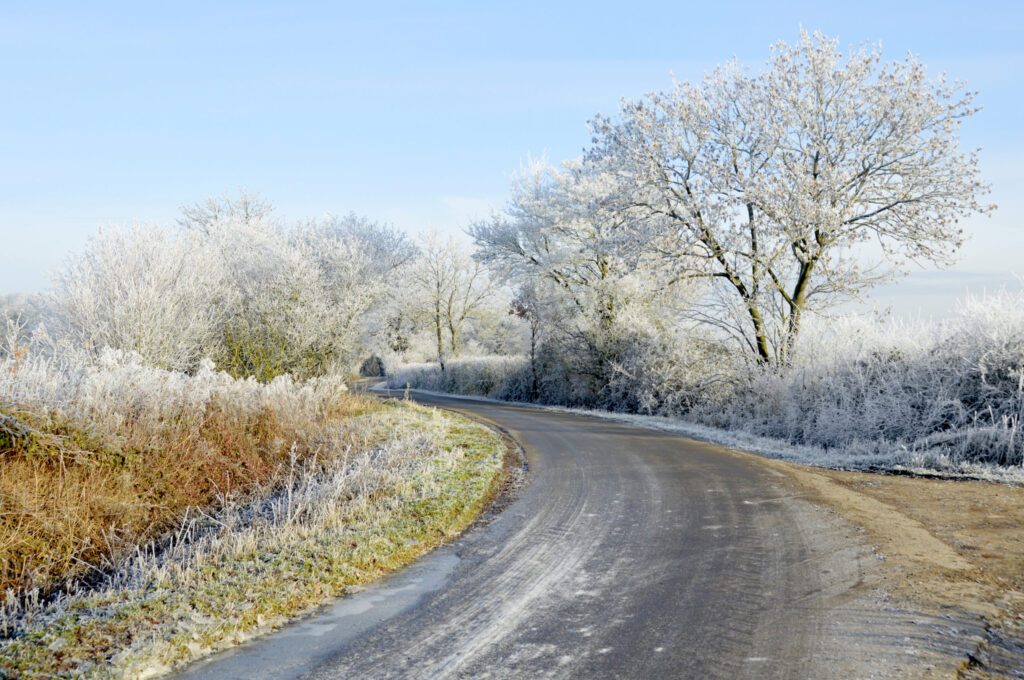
(414, 113)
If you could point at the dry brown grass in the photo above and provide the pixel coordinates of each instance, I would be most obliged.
(74, 500)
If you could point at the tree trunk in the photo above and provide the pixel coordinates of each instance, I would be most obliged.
(797, 304)
(534, 381)
(453, 337)
(438, 328)
(761, 344)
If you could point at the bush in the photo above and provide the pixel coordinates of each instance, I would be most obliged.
(98, 457)
(947, 392)
(496, 377)
(257, 299)
(372, 367)
(143, 290)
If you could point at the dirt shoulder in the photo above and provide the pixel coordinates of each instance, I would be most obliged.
(954, 549)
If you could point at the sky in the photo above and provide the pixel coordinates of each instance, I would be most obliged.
(417, 113)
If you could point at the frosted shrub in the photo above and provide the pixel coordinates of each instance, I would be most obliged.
(233, 286)
(293, 299)
(933, 394)
(497, 377)
(670, 373)
(277, 319)
(120, 386)
(952, 390)
(144, 290)
(102, 453)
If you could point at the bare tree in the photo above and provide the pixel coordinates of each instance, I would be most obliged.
(534, 305)
(248, 208)
(455, 288)
(770, 185)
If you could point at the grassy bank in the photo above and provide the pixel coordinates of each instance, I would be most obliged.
(100, 457)
(275, 498)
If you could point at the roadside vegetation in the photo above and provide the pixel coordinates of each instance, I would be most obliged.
(943, 396)
(98, 459)
(183, 463)
(693, 264)
(384, 487)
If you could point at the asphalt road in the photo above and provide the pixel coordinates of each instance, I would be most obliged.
(628, 553)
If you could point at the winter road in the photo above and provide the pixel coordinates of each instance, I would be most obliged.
(628, 553)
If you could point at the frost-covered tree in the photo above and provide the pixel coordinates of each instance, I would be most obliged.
(450, 289)
(556, 242)
(560, 241)
(562, 225)
(247, 208)
(386, 254)
(144, 290)
(385, 248)
(769, 185)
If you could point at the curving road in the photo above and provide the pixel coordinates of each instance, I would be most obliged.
(629, 553)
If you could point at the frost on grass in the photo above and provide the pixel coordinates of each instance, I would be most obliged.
(100, 454)
(349, 489)
(221, 578)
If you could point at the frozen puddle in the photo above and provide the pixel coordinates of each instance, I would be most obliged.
(301, 646)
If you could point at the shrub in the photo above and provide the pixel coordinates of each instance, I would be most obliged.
(952, 390)
(144, 290)
(98, 457)
(946, 392)
(257, 298)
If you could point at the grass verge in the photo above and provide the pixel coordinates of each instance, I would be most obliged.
(222, 579)
(99, 459)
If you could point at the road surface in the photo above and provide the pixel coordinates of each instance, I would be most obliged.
(628, 553)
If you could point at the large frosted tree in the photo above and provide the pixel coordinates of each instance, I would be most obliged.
(771, 185)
